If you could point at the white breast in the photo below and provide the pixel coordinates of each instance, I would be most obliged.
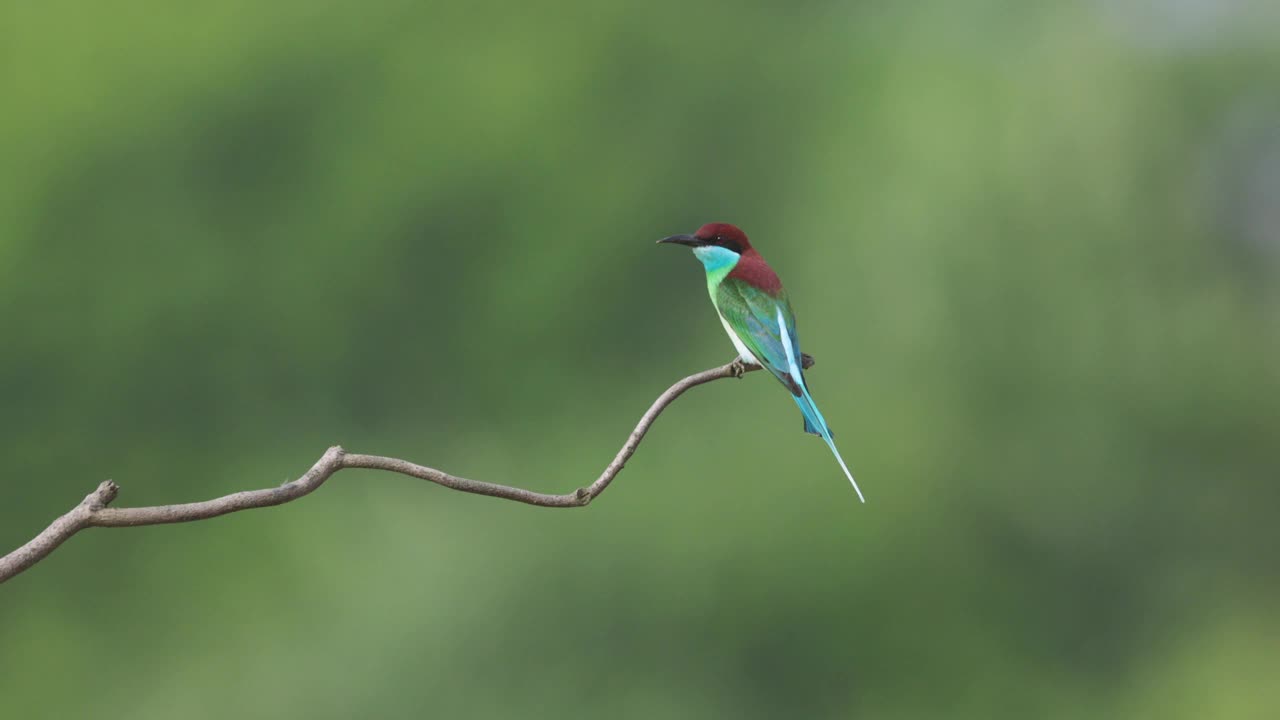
(743, 352)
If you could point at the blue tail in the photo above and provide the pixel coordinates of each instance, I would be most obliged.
(814, 423)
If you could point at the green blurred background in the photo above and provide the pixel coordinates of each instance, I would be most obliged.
(1035, 248)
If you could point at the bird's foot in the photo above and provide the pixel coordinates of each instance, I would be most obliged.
(740, 367)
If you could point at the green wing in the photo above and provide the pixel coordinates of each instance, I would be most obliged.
(753, 315)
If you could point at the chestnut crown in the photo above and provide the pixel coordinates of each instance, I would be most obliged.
(722, 235)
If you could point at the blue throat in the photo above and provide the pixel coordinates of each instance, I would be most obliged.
(719, 262)
(716, 259)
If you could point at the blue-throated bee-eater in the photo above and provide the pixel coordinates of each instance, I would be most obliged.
(755, 312)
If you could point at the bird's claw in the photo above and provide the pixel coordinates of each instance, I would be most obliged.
(739, 368)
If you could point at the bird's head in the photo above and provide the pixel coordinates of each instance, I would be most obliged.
(721, 235)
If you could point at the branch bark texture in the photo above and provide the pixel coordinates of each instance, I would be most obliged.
(95, 510)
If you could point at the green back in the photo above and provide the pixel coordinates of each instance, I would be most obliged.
(754, 316)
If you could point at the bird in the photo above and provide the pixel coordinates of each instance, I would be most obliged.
(756, 314)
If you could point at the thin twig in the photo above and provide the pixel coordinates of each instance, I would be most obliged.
(93, 511)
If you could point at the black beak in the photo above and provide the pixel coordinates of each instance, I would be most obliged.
(689, 240)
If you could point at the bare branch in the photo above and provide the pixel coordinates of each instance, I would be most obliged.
(93, 511)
